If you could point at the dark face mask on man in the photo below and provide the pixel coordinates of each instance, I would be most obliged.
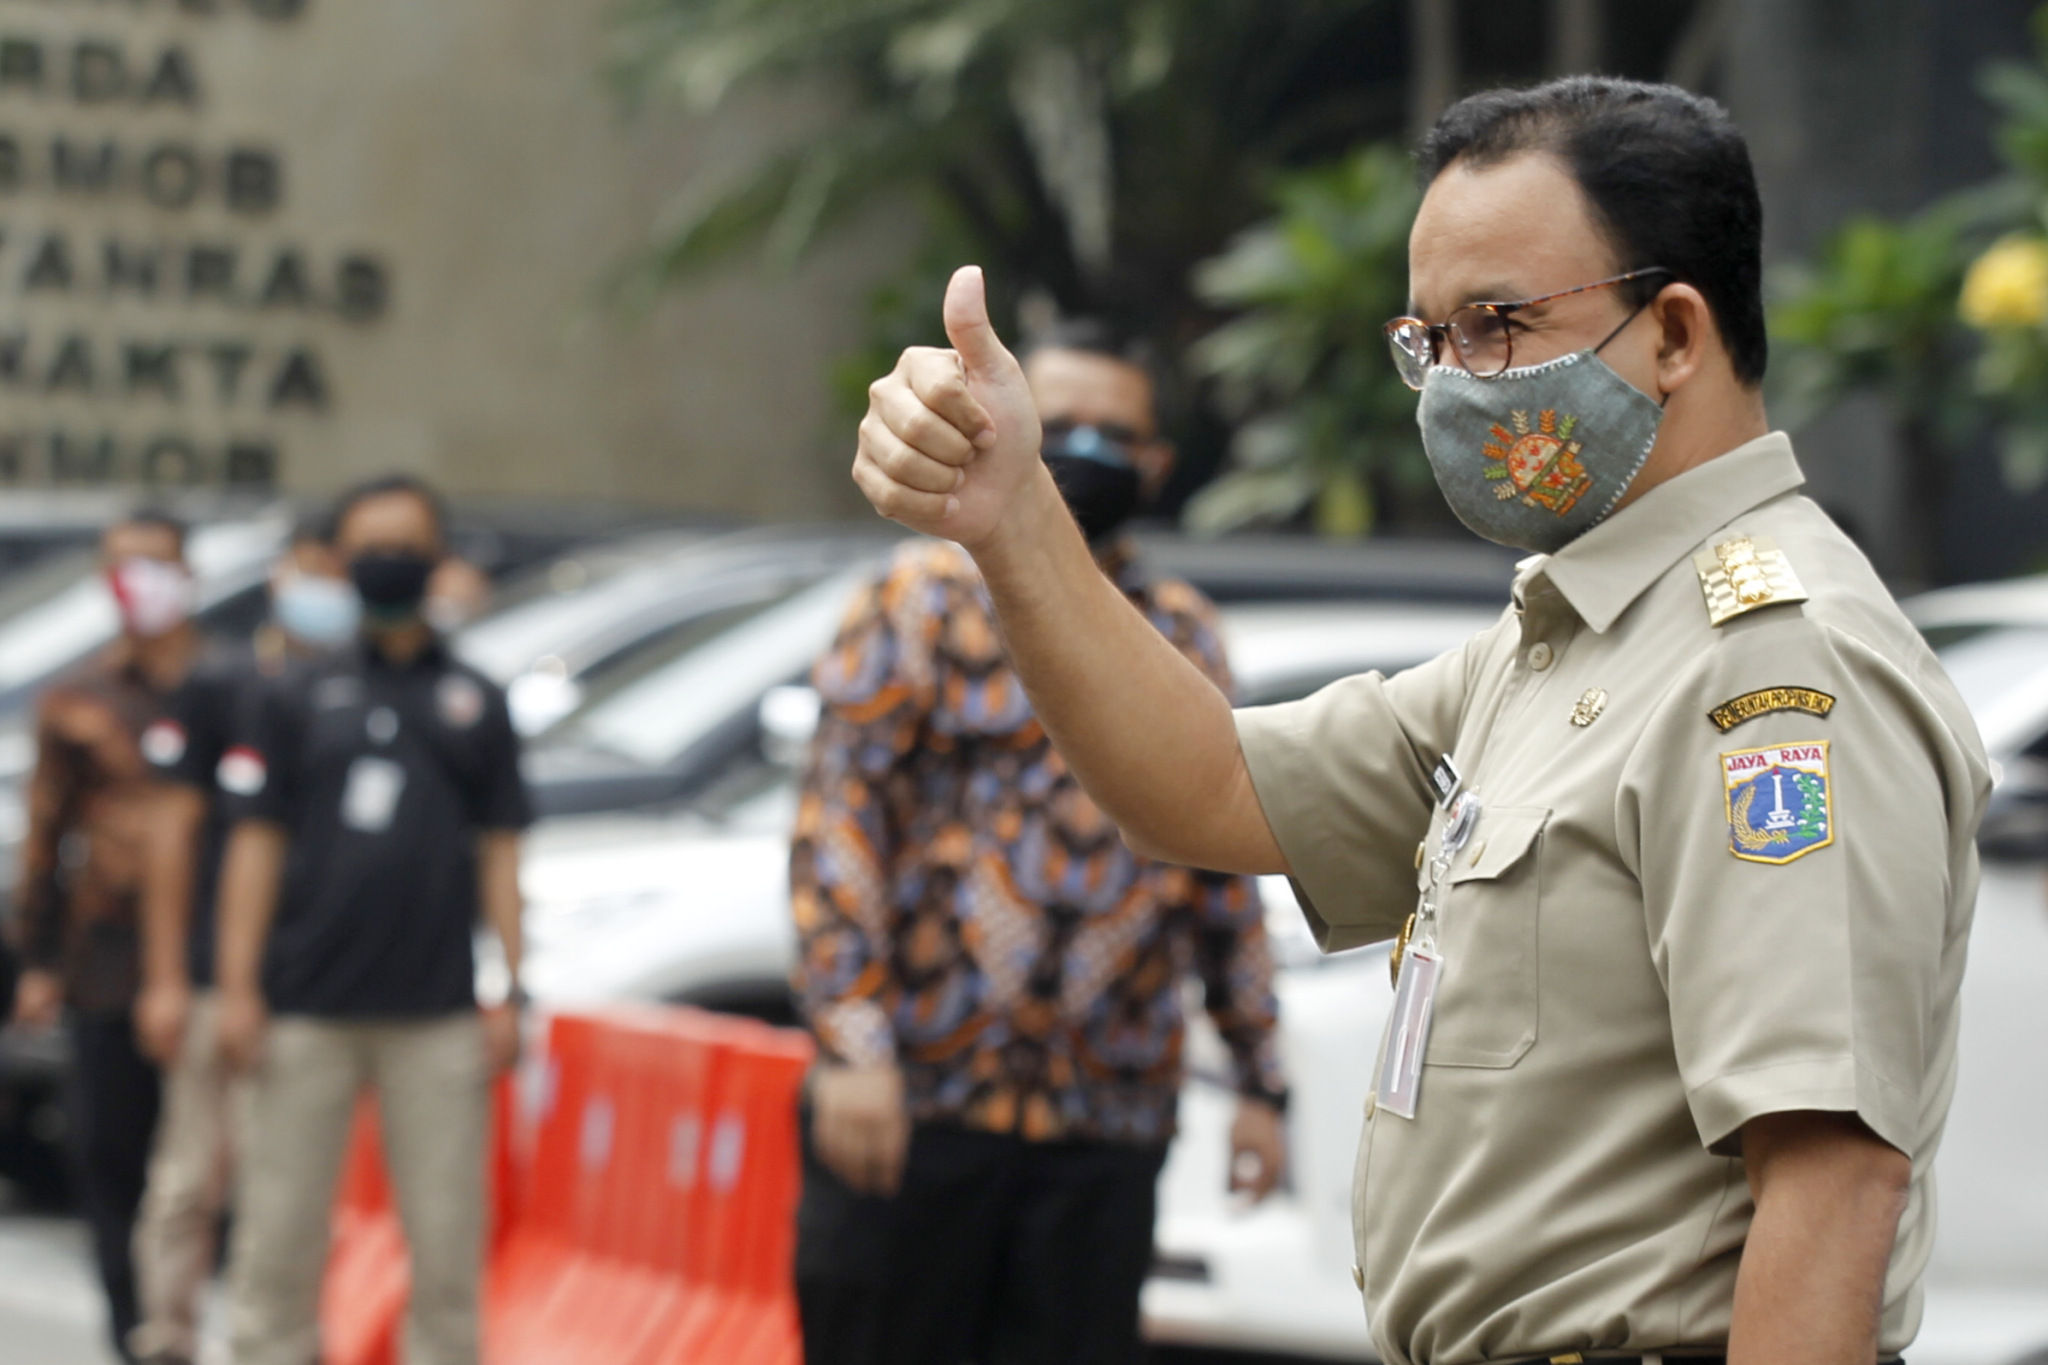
(1096, 474)
(392, 584)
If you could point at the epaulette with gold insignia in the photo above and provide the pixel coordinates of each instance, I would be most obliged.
(1743, 574)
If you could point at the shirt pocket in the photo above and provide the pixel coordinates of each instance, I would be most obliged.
(1487, 931)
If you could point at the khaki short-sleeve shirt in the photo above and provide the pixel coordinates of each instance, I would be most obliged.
(1721, 870)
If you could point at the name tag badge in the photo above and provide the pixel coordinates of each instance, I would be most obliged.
(370, 798)
(1447, 780)
(1400, 1079)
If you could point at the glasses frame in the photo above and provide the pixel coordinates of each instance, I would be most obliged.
(1441, 332)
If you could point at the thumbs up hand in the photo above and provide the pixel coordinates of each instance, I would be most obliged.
(951, 436)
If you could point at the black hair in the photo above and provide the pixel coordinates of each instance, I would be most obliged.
(1098, 336)
(382, 486)
(160, 519)
(1665, 171)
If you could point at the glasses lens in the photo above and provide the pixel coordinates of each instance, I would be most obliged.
(1413, 351)
(1480, 337)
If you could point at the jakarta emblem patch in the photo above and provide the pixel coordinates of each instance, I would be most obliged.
(1780, 801)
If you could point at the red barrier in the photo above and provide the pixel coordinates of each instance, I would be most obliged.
(739, 1305)
(645, 1204)
(367, 1270)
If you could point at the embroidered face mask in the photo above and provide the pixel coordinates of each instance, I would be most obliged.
(1537, 456)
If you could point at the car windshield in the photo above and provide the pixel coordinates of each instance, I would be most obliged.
(2003, 678)
(532, 614)
(656, 709)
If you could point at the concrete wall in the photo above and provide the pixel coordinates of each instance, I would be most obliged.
(299, 241)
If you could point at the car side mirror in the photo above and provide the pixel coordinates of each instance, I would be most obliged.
(789, 718)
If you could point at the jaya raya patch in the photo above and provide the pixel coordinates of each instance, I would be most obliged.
(1780, 802)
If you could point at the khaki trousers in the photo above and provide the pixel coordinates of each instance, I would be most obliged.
(433, 1094)
(181, 1208)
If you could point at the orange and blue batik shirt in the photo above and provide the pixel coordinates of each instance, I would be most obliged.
(966, 912)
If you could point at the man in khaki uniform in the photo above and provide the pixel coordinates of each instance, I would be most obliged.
(1679, 852)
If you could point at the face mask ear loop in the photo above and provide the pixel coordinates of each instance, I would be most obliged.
(1624, 325)
(1666, 399)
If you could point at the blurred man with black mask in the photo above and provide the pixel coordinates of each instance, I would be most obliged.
(313, 609)
(992, 977)
(376, 806)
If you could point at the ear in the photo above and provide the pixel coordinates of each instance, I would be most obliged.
(1155, 460)
(1686, 335)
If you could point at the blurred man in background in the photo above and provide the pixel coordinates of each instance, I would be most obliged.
(992, 977)
(458, 592)
(313, 609)
(94, 800)
(377, 805)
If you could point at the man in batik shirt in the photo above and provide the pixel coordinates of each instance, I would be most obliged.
(993, 978)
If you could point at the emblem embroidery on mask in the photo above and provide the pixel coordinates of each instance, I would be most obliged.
(1780, 801)
(1538, 464)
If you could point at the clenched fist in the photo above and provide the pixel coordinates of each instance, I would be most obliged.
(951, 439)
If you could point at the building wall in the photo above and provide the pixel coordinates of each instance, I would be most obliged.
(1871, 106)
(293, 242)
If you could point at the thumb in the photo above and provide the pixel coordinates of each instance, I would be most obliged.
(968, 327)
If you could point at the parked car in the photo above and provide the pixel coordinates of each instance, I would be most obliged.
(634, 741)
(1993, 632)
(562, 627)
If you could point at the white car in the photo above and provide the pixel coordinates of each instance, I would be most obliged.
(692, 906)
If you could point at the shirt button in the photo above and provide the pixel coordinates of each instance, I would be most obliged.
(1358, 1277)
(1372, 1104)
(1539, 656)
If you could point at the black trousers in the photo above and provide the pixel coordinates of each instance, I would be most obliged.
(995, 1252)
(114, 1096)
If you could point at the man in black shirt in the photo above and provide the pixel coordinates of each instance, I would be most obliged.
(314, 609)
(377, 806)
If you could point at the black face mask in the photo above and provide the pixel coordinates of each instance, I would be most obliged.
(1096, 477)
(391, 582)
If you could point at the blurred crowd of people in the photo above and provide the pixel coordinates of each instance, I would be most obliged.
(251, 880)
(255, 872)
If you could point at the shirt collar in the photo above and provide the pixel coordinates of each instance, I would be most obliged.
(368, 656)
(1605, 570)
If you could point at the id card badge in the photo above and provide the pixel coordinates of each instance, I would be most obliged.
(370, 797)
(1400, 1079)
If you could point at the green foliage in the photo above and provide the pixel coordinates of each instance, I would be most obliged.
(1302, 368)
(1877, 310)
(1091, 151)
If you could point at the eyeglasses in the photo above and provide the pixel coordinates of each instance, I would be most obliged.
(1479, 333)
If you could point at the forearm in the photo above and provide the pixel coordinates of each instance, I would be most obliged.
(35, 930)
(504, 908)
(250, 874)
(1140, 726)
(166, 911)
(1811, 1283)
